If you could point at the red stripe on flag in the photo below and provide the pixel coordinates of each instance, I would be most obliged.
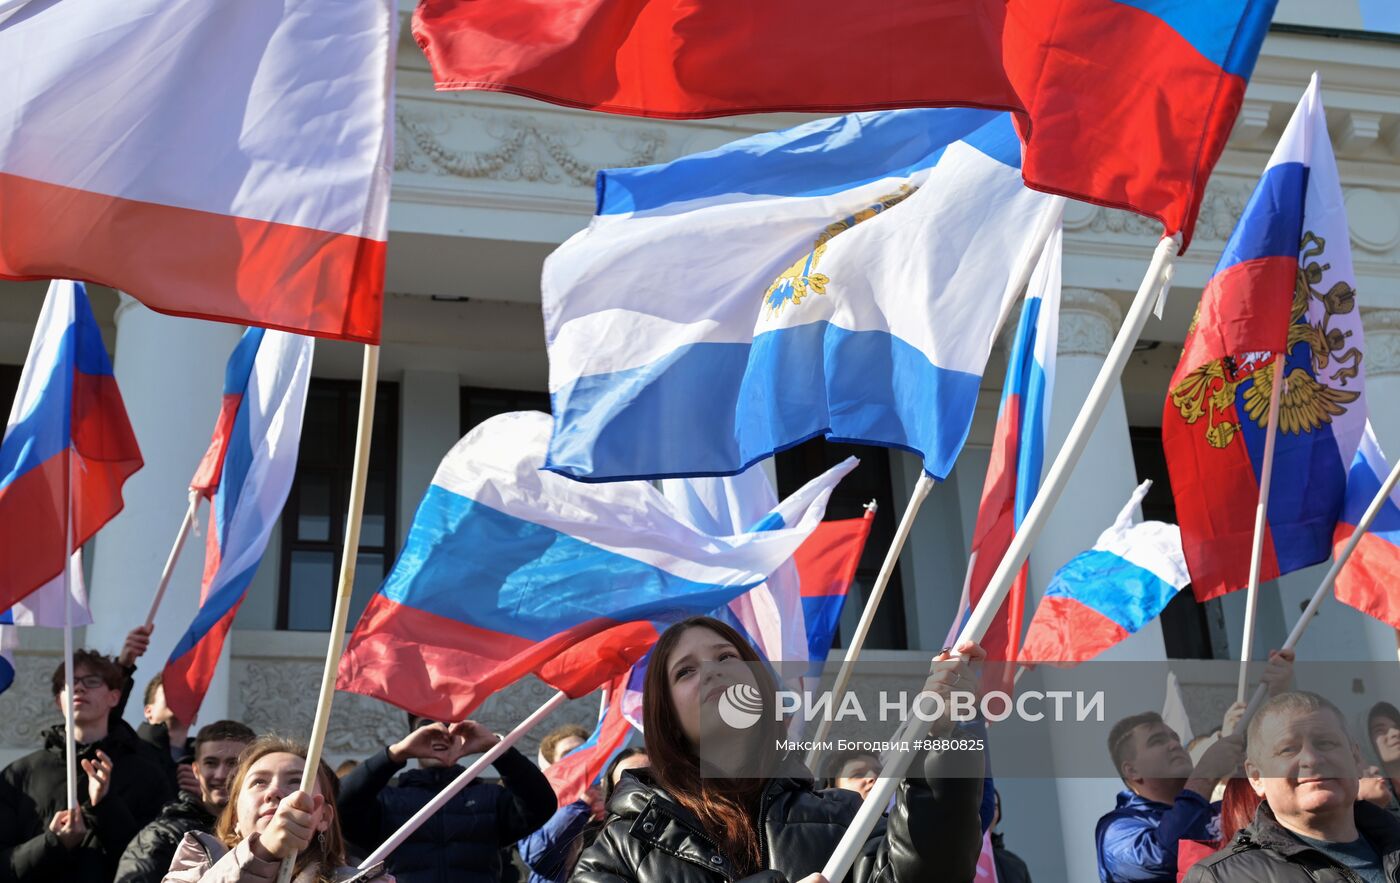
(1370, 579)
(211, 467)
(444, 669)
(187, 679)
(1110, 121)
(193, 263)
(827, 560)
(1065, 632)
(1245, 308)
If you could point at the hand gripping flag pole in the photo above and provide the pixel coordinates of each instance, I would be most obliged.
(464, 778)
(1339, 562)
(369, 378)
(1148, 293)
(1261, 518)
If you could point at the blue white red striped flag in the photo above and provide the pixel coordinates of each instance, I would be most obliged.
(1018, 453)
(1371, 578)
(510, 570)
(67, 419)
(1283, 288)
(247, 474)
(844, 278)
(574, 773)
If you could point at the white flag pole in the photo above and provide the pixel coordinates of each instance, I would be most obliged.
(464, 778)
(174, 556)
(1338, 562)
(69, 736)
(1261, 517)
(1148, 293)
(369, 377)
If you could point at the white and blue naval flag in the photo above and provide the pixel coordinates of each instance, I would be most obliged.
(844, 278)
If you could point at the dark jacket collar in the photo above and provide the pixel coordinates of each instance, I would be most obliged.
(1379, 828)
(120, 735)
(638, 789)
(187, 806)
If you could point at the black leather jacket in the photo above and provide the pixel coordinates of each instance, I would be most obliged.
(1267, 852)
(933, 835)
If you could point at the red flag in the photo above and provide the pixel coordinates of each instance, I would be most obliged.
(574, 773)
(1134, 122)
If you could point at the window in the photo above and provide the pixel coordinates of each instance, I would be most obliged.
(313, 522)
(869, 481)
(1190, 630)
(479, 405)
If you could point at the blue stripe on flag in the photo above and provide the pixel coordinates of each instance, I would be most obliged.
(214, 608)
(467, 561)
(866, 387)
(240, 363)
(817, 158)
(1113, 586)
(7, 673)
(1272, 222)
(1228, 32)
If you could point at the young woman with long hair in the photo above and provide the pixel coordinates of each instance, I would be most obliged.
(722, 802)
(269, 817)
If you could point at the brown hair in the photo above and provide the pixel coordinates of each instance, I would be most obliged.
(329, 860)
(223, 731)
(103, 666)
(726, 808)
(1120, 747)
(550, 743)
(153, 685)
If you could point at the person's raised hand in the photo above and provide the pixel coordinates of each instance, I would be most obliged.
(138, 640)
(68, 827)
(99, 773)
(951, 674)
(427, 742)
(475, 737)
(1233, 715)
(187, 780)
(1278, 674)
(1220, 761)
(292, 827)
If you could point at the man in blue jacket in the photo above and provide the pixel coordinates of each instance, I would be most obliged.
(463, 842)
(1168, 797)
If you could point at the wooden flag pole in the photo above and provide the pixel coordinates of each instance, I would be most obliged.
(1148, 293)
(1338, 562)
(464, 778)
(174, 556)
(872, 604)
(369, 379)
(1261, 518)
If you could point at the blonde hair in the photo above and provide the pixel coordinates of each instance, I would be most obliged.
(327, 852)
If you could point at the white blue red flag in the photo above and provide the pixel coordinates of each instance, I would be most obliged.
(511, 570)
(1284, 288)
(826, 566)
(1018, 454)
(1371, 576)
(231, 161)
(1109, 592)
(67, 421)
(574, 773)
(844, 278)
(247, 474)
(58, 603)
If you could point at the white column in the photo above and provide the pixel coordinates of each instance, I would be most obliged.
(170, 372)
(1101, 484)
(430, 406)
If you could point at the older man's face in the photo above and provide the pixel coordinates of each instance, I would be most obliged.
(1304, 764)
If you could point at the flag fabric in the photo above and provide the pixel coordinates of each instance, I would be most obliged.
(232, 162)
(826, 567)
(47, 606)
(510, 570)
(7, 657)
(251, 462)
(574, 773)
(1018, 454)
(770, 615)
(986, 860)
(1369, 579)
(1174, 711)
(1109, 592)
(1135, 122)
(1284, 285)
(844, 278)
(67, 417)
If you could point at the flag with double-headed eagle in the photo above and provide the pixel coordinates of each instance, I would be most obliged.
(844, 278)
(1284, 288)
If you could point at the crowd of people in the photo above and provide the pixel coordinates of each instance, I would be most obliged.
(1289, 799)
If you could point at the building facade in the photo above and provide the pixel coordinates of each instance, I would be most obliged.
(485, 187)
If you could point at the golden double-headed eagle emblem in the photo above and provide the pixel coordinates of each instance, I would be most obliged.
(802, 278)
(1305, 402)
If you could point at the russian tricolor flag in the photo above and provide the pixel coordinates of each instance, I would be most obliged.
(1371, 578)
(1018, 453)
(1285, 285)
(67, 420)
(1109, 592)
(214, 158)
(511, 570)
(577, 771)
(246, 474)
(826, 566)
